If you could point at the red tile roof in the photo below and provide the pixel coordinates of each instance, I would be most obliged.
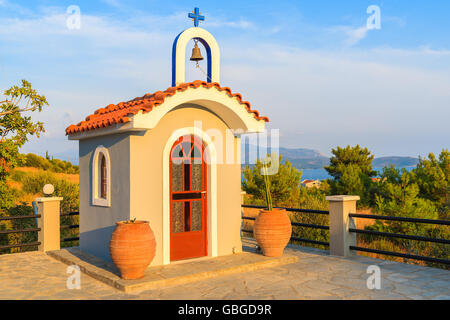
(121, 112)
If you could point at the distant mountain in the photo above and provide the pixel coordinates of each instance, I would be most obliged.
(303, 158)
(301, 153)
(311, 163)
(397, 161)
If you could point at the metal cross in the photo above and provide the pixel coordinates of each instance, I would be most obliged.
(196, 17)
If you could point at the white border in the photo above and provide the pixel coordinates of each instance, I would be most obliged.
(96, 200)
(212, 190)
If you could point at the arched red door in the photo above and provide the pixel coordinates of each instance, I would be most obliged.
(188, 199)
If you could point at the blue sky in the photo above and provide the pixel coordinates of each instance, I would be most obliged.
(312, 66)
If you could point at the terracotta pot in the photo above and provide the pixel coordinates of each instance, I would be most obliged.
(272, 231)
(132, 248)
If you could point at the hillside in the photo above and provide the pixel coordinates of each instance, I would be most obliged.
(301, 153)
(27, 181)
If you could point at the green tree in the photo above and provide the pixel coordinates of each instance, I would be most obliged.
(15, 130)
(351, 169)
(432, 177)
(284, 185)
(398, 195)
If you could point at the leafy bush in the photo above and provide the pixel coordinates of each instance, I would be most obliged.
(432, 177)
(35, 161)
(399, 196)
(17, 175)
(54, 165)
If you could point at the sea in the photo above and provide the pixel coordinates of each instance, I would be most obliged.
(322, 174)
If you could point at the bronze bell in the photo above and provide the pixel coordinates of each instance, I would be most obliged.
(196, 54)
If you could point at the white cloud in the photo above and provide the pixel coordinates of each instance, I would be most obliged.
(428, 50)
(420, 51)
(239, 24)
(350, 35)
(399, 21)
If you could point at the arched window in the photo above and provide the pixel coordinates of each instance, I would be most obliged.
(103, 185)
(101, 190)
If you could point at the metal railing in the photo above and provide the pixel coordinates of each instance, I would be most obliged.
(294, 224)
(72, 226)
(400, 236)
(20, 245)
(368, 232)
(26, 230)
(287, 209)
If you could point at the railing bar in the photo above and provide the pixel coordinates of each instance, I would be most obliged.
(307, 225)
(69, 214)
(306, 210)
(20, 217)
(20, 231)
(287, 209)
(297, 239)
(418, 220)
(297, 224)
(401, 255)
(70, 239)
(73, 226)
(10, 246)
(397, 235)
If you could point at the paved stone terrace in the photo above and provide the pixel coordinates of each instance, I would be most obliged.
(34, 275)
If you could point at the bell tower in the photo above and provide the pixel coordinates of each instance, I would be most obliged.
(179, 51)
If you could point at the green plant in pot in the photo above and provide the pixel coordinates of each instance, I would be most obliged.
(272, 228)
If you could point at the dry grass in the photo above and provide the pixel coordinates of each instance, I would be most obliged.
(14, 185)
(28, 198)
(386, 245)
(66, 176)
(362, 223)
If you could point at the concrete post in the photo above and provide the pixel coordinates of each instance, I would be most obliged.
(49, 222)
(340, 222)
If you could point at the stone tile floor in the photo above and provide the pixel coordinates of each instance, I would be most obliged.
(34, 275)
(179, 273)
